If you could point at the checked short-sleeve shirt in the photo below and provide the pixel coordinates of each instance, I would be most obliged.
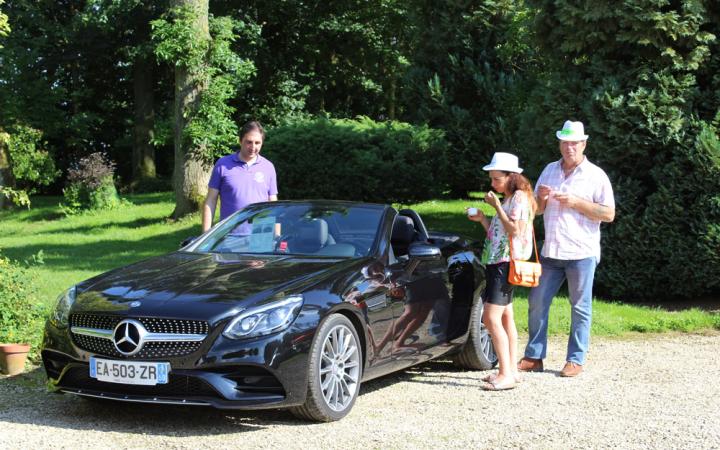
(570, 235)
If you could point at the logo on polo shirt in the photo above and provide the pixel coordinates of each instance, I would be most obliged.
(259, 177)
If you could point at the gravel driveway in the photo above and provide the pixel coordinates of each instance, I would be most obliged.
(641, 392)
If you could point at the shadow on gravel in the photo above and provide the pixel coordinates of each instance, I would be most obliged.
(24, 399)
(439, 372)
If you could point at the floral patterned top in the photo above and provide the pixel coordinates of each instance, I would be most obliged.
(497, 248)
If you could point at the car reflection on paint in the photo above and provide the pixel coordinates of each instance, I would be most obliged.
(282, 305)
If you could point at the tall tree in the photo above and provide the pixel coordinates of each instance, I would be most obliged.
(469, 76)
(630, 70)
(342, 58)
(4, 26)
(207, 75)
(188, 33)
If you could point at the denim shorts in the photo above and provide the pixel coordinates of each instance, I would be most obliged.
(497, 289)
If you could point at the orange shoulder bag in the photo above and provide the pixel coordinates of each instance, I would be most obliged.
(524, 273)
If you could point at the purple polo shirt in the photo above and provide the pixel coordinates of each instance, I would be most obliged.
(241, 184)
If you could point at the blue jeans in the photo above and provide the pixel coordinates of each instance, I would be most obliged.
(579, 274)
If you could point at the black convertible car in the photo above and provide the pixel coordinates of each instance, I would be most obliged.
(283, 304)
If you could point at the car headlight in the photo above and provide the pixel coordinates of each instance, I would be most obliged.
(60, 314)
(264, 319)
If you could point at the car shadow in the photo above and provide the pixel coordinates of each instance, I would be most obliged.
(24, 399)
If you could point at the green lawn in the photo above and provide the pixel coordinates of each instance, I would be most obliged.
(78, 247)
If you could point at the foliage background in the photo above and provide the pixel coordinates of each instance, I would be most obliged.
(378, 95)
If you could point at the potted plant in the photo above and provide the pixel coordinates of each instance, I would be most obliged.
(13, 357)
(21, 316)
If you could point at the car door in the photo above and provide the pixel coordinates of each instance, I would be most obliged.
(373, 293)
(422, 317)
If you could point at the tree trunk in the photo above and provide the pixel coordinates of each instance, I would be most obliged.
(6, 176)
(143, 156)
(190, 175)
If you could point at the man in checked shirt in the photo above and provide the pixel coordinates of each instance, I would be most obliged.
(574, 196)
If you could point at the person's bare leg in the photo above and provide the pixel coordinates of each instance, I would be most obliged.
(492, 318)
(508, 323)
(394, 329)
(417, 314)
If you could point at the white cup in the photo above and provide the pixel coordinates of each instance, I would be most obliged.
(472, 211)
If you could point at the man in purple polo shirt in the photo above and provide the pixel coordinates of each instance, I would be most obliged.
(242, 178)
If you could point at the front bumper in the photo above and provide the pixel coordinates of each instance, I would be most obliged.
(267, 372)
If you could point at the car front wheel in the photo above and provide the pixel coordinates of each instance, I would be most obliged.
(334, 371)
(478, 352)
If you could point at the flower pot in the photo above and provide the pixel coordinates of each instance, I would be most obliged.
(12, 358)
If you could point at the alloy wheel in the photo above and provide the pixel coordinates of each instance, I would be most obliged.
(339, 368)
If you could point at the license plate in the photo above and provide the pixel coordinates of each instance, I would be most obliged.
(129, 372)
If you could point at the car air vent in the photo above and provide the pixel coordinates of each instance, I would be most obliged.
(177, 386)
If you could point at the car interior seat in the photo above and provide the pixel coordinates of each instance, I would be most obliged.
(403, 234)
(312, 236)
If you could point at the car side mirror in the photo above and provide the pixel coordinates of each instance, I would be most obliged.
(187, 241)
(424, 252)
(419, 252)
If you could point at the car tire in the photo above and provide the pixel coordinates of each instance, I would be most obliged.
(478, 352)
(334, 371)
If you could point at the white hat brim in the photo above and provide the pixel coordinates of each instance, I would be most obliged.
(490, 167)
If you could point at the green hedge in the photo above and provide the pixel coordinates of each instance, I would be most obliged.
(669, 247)
(21, 312)
(388, 162)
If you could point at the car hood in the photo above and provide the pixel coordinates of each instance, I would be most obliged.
(202, 286)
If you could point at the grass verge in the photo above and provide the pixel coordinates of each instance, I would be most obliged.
(78, 247)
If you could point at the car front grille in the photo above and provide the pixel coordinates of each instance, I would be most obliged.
(153, 324)
(106, 347)
(158, 349)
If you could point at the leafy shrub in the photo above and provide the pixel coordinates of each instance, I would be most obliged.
(29, 164)
(91, 185)
(357, 160)
(668, 246)
(21, 313)
(635, 83)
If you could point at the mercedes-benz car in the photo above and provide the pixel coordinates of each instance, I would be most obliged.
(289, 304)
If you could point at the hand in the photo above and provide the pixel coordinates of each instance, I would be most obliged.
(565, 199)
(544, 191)
(492, 200)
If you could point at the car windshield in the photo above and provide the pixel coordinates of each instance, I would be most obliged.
(337, 230)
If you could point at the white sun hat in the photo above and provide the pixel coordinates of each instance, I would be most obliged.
(572, 131)
(506, 162)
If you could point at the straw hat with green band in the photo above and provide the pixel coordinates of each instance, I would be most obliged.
(572, 131)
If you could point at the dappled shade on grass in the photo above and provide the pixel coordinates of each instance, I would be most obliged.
(78, 247)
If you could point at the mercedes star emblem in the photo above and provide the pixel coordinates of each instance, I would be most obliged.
(129, 337)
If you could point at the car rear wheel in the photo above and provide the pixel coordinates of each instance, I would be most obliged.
(478, 352)
(334, 371)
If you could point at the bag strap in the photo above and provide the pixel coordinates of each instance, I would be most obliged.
(510, 239)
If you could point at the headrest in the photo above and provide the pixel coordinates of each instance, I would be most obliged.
(315, 231)
(403, 230)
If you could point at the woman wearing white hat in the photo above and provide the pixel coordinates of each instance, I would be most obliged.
(513, 218)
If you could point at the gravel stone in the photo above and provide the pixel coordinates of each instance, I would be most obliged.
(658, 391)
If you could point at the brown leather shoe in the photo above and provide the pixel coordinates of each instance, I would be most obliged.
(530, 365)
(571, 369)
